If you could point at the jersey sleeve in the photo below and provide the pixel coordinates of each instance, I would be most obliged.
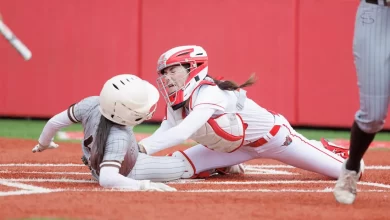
(55, 124)
(78, 111)
(73, 114)
(209, 97)
(111, 178)
(119, 142)
(178, 134)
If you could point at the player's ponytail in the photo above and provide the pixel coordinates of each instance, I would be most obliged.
(102, 133)
(231, 85)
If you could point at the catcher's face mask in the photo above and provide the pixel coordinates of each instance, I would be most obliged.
(172, 80)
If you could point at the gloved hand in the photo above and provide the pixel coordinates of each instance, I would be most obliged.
(40, 148)
(147, 185)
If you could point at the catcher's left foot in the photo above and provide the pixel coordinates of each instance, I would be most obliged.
(235, 169)
(342, 152)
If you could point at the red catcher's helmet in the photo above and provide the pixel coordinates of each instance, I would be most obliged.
(197, 59)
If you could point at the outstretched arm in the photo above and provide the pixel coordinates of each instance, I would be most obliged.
(73, 114)
(45, 140)
(178, 134)
(110, 178)
(55, 124)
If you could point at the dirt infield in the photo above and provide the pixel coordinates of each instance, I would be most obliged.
(56, 184)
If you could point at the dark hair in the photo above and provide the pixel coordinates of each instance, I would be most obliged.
(186, 66)
(102, 133)
(231, 85)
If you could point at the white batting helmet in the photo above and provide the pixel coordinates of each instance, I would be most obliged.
(128, 100)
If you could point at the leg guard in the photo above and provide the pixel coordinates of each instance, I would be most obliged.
(189, 167)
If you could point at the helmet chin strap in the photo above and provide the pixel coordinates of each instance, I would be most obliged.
(178, 106)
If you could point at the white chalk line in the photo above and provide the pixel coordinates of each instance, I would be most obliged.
(271, 166)
(272, 182)
(254, 169)
(262, 171)
(23, 192)
(11, 183)
(26, 189)
(41, 165)
(202, 182)
(257, 172)
(325, 190)
(247, 166)
(29, 189)
(45, 173)
(42, 180)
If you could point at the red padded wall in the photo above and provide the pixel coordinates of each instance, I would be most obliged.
(301, 51)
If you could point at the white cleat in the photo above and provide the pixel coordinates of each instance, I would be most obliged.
(346, 186)
(236, 169)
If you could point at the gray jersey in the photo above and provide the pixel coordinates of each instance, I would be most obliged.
(121, 146)
(371, 49)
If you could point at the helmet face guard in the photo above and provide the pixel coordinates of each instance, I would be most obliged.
(174, 92)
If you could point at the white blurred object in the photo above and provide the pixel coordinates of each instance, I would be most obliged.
(40, 148)
(236, 169)
(147, 185)
(14, 41)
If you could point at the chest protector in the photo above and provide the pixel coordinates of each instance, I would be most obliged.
(225, 132)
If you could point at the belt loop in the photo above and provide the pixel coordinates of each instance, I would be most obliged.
(378, 2)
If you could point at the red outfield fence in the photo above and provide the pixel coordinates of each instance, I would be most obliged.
(301, 51)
